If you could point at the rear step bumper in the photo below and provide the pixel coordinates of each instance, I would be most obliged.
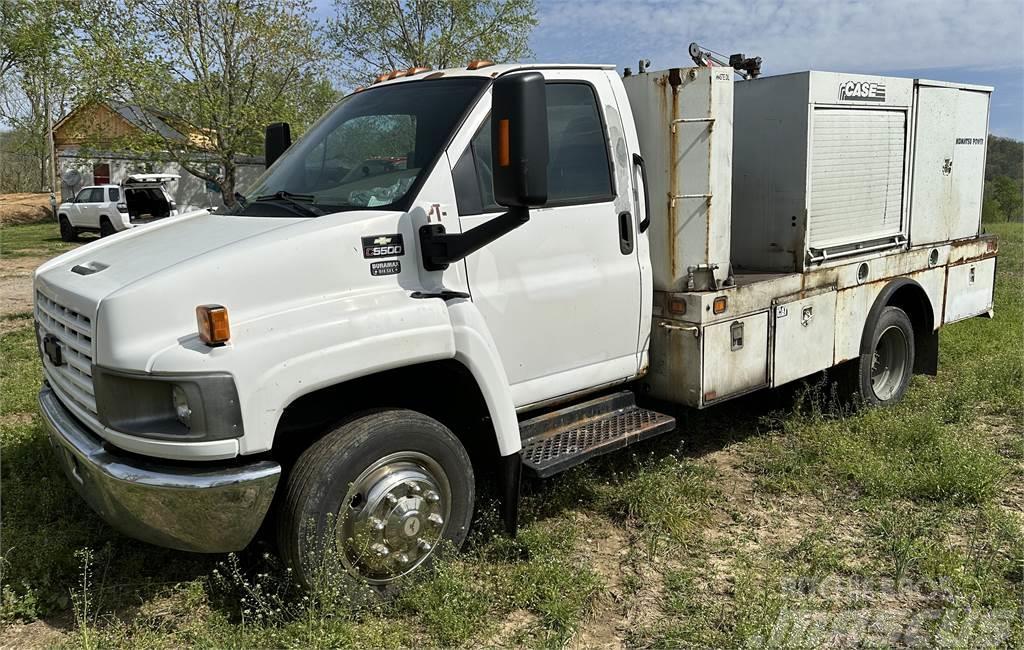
(554, 442)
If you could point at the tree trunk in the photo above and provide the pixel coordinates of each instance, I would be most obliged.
(227, 184)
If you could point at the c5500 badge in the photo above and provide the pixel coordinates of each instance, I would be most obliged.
(383, 246)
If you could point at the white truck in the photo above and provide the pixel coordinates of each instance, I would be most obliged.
(463, 273)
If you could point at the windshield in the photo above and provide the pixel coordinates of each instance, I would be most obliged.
(368, 152)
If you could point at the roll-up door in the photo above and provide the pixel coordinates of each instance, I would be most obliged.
(856, 192)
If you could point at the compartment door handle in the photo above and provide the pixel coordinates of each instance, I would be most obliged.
(626, 233)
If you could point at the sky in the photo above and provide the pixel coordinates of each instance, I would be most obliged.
(969, 41)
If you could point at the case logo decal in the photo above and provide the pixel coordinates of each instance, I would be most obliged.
(387, 267)
(861, 91)
(383, 246)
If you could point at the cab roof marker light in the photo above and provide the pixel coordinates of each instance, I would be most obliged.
(381, 77)
(476, 64)
(395, 74)
(416, 69)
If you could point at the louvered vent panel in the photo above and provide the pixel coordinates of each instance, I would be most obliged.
(856, 188)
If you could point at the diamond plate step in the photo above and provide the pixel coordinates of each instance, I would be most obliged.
(554, 442)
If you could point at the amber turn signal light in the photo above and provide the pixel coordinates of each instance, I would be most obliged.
(476, 64)
(504, 151)
(719, 305)
(213, 324)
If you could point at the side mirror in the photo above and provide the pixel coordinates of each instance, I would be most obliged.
(519, 158)
(519, 140)
(277, 139)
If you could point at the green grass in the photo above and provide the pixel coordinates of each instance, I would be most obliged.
(35, 240)
(763, 523)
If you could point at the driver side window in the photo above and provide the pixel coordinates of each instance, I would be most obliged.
(578, 167)
(90, 195)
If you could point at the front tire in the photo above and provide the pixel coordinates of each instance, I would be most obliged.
(376, 496)
(67, 231)
(881, 377)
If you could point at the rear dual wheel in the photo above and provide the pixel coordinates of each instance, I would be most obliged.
(881, 377)
(374, 498)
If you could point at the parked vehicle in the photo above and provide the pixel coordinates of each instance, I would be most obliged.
(552, 261)
(106, 209)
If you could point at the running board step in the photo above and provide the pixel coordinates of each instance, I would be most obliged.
(554, 442)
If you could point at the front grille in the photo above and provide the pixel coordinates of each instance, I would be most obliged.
(73, 378)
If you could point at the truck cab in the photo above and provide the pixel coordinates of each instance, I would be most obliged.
(453, 274)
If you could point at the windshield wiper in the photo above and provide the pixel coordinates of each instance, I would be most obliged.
(301, 201)
(240, 198)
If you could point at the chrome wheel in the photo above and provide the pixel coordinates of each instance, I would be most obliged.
(889, 363)
(393, 516)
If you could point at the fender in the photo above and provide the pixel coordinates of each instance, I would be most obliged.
(910, 296)
(282, 357)
(475, 349)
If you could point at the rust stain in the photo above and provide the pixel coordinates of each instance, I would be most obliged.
(707, 214)
(674, 81)
(675, 78)
(669, 100)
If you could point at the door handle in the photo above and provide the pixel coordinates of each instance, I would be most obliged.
(638, 160)
(626, 233)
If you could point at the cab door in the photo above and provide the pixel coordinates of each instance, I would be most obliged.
(81, 214)
(560, 294)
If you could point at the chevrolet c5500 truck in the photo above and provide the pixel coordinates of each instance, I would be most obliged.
(479, 271)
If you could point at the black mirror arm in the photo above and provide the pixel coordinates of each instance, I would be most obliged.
(440, 249)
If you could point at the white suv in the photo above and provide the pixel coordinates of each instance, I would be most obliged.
(107, 209)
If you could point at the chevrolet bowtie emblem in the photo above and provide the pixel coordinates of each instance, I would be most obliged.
(380, 241)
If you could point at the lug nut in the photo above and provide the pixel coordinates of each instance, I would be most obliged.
(402, 558)
(413, 488)
(435, 519)
(391, 499)
(424, 545)
(380, 550)
(377, 524)
(432, 497)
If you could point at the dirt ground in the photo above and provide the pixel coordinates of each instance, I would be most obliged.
(16, 285)
(26, 207)
(37, 634)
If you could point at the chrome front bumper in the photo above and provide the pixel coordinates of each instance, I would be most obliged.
(206, 509)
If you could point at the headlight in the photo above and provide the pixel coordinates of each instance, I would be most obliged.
(181, 409)
(189, 407)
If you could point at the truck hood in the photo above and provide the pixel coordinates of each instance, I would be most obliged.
(141, 288)
(95, 270)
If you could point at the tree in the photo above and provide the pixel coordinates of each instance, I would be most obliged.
(35, 75)
(375, 36)
(1007, 193)
(217, 71)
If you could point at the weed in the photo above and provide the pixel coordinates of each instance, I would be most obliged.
(665, 496)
